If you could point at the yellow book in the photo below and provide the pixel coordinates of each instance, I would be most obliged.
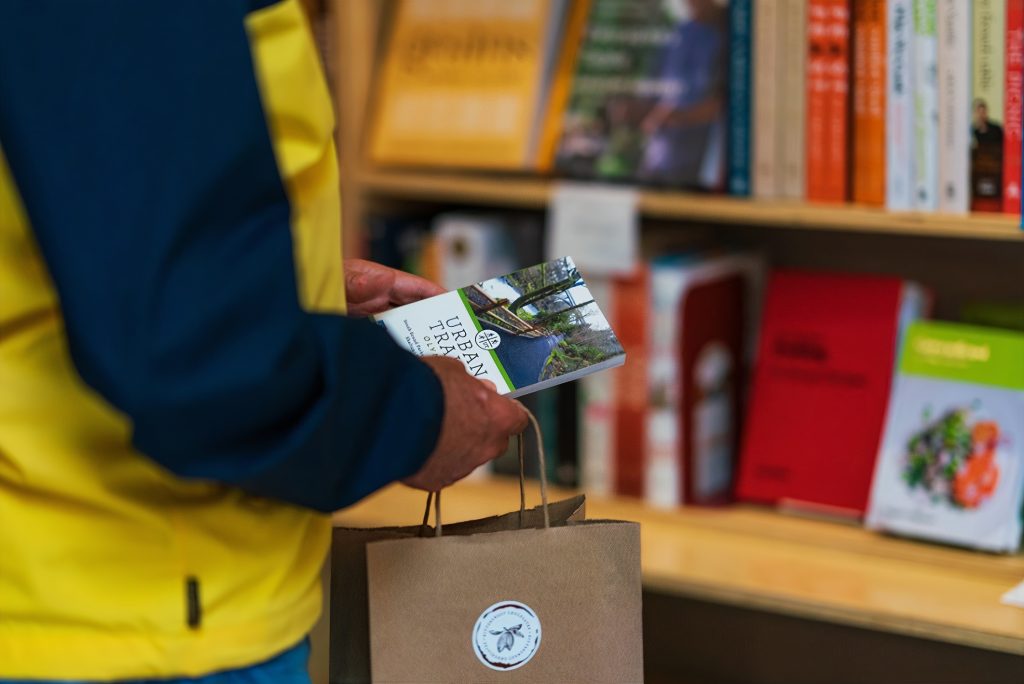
(464, 83)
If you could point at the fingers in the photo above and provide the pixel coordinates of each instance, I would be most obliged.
(408, 288)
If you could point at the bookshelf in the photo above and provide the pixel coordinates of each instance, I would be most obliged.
(756, 558)
(739, 557)
(533, 193)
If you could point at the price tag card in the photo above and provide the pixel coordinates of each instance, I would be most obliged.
(596, 225)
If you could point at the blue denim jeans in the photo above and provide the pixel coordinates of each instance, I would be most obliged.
(286, 668)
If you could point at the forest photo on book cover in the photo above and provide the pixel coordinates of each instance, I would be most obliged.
(547, 322)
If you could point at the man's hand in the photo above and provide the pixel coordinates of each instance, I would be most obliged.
(477, 425)
(371, 288)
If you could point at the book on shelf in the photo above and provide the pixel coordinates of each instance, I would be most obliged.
(792, 96)
(869, 96)
(647, 102)
(1013, 110)
(900, 173)
(954, 36)
(988, 81)
(767, 40)
(467, 84)
(951, 463)
(532, 329)
(740, 142)
(825, 360)
(926, 107)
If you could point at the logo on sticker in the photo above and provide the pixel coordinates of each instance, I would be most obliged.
(488, 339)
(506, 635)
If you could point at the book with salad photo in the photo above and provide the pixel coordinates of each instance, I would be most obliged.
(951, 464)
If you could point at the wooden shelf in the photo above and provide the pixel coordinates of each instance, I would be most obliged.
(533, 192)
(760, 559)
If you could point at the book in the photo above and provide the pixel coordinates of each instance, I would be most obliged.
(472, 245)
(596, 415)
(631, 316)
(740, 143)
(899, 123)
(825, 361)
(951, 464)
(648, 100)
(954, 35)
(792, 94)
(699, 312)
(466, 84)
(767, 41)
(926, 107)
(532, 329)
(819, 81)
(1013, 108)
(837, 130)
(869, 69)
(987, 96)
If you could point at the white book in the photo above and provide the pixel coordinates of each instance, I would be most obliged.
(899, 123)
(954, 38)
(765, 77)
(926, 106)
(526, 331)
(792, 99)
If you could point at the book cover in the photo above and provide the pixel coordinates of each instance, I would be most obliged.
(740, 145)
(1012, 107)
(465, 84)
(699, 307)
(868, 125)
(899, 123)
(837, 130)
(525, 331)
(869, 70)
(954, 37)
(818, 83)
(648, 97)
(767, 40)
(792, 93)
(987, 97)
(951, 464)
(821, 382)
(926, 107)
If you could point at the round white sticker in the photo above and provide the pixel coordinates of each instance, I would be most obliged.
(488, 339)
(506, 635)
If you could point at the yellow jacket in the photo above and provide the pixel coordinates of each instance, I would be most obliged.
(160, 516)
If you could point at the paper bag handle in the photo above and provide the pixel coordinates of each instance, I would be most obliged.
(435, 497)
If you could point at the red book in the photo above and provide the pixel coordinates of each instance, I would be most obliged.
(821, 382)
(631, 311)
(837, 129)
(1012, 138)
(818, 85)
(868, 131)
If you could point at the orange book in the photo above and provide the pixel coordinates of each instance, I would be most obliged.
(868, 135)
(818, 83)
(558, 98)
(631, 317)
(837, 129)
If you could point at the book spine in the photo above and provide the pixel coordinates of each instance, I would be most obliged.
(792, 98)
(631, 313)
(954, 37)
(926, 107)
(572, 41)
(740, 67)
(765, 114)
(1013, 109)
(988, 79)
(837, 133)
(899, 191)
(596, 416)
(869, 66)
(817, 98)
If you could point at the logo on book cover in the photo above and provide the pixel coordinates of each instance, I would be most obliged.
(506, 635)
(488, 340)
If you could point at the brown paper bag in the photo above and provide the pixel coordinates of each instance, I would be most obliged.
(349, 609)
(553, 598)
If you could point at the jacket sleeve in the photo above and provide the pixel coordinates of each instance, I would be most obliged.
(137, 139)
